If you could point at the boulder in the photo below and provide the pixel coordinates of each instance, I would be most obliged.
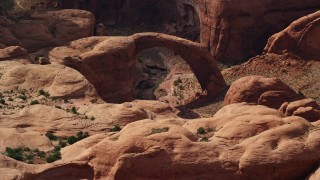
(306, 108)
(271, 92)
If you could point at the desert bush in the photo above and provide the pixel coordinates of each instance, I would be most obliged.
(159, 130)
(72, 140)
(14, 153)
(201, 130)
(34, 102)
(44, 93)
(116, 128)
(51, 136)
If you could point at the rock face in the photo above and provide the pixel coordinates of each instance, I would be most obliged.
(108, 62)
(48, 29)
(238, 146)
(300, 38)
(271, 92)
(290, 56)
(233, 30)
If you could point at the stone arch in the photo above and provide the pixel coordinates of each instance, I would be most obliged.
(109, 62)
(198, 58)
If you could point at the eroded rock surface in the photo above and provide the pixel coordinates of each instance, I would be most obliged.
(239, 146)
(306, 108)
(61, 81)
(271, 92)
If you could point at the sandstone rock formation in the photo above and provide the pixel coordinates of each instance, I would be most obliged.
(306, 108)
(300, 38)
(15, 53)
(232, 31)
(108, 62)
(271, 92)
(235, 145)
(59, 80)
(290, 56)
(46, 29)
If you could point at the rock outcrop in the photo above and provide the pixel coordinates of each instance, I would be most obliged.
(15, 53)
(271, 92)
(59, 80)
(46, 29)
(108, 62)
(242, 141)
(306, 108)
(300, 38)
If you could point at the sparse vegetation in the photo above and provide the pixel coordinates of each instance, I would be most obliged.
(24, 154)
(204, 139)
(34, 102)
(44, 93)
(51, 136)
(54, 155)
(116, 128)
(74, 110)
(201, 130)
(159, 130)
(72, 140)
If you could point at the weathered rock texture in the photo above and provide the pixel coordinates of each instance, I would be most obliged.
(61, 81)
(15, 53)
(306, 108)
(246, 141)
(300, 38)
(48, 29)
(108, 62)
(271, 92)
(235, 31)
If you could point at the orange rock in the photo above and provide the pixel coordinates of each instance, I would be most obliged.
(271, 92)
(108, 62)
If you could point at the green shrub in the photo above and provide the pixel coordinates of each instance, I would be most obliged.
(58, 107)
(204, 139)
(23, 97)
(81, 135)
(2, 101)
(62, 144)
(159, 130)
(14, 153)
(74, 110)
(55, 155)
(34, 102)
(51, 136)
(72, 140)
(44, 93)
(116, 128)
(201, 130)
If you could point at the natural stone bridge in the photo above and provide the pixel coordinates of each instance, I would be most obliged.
(108, 62)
